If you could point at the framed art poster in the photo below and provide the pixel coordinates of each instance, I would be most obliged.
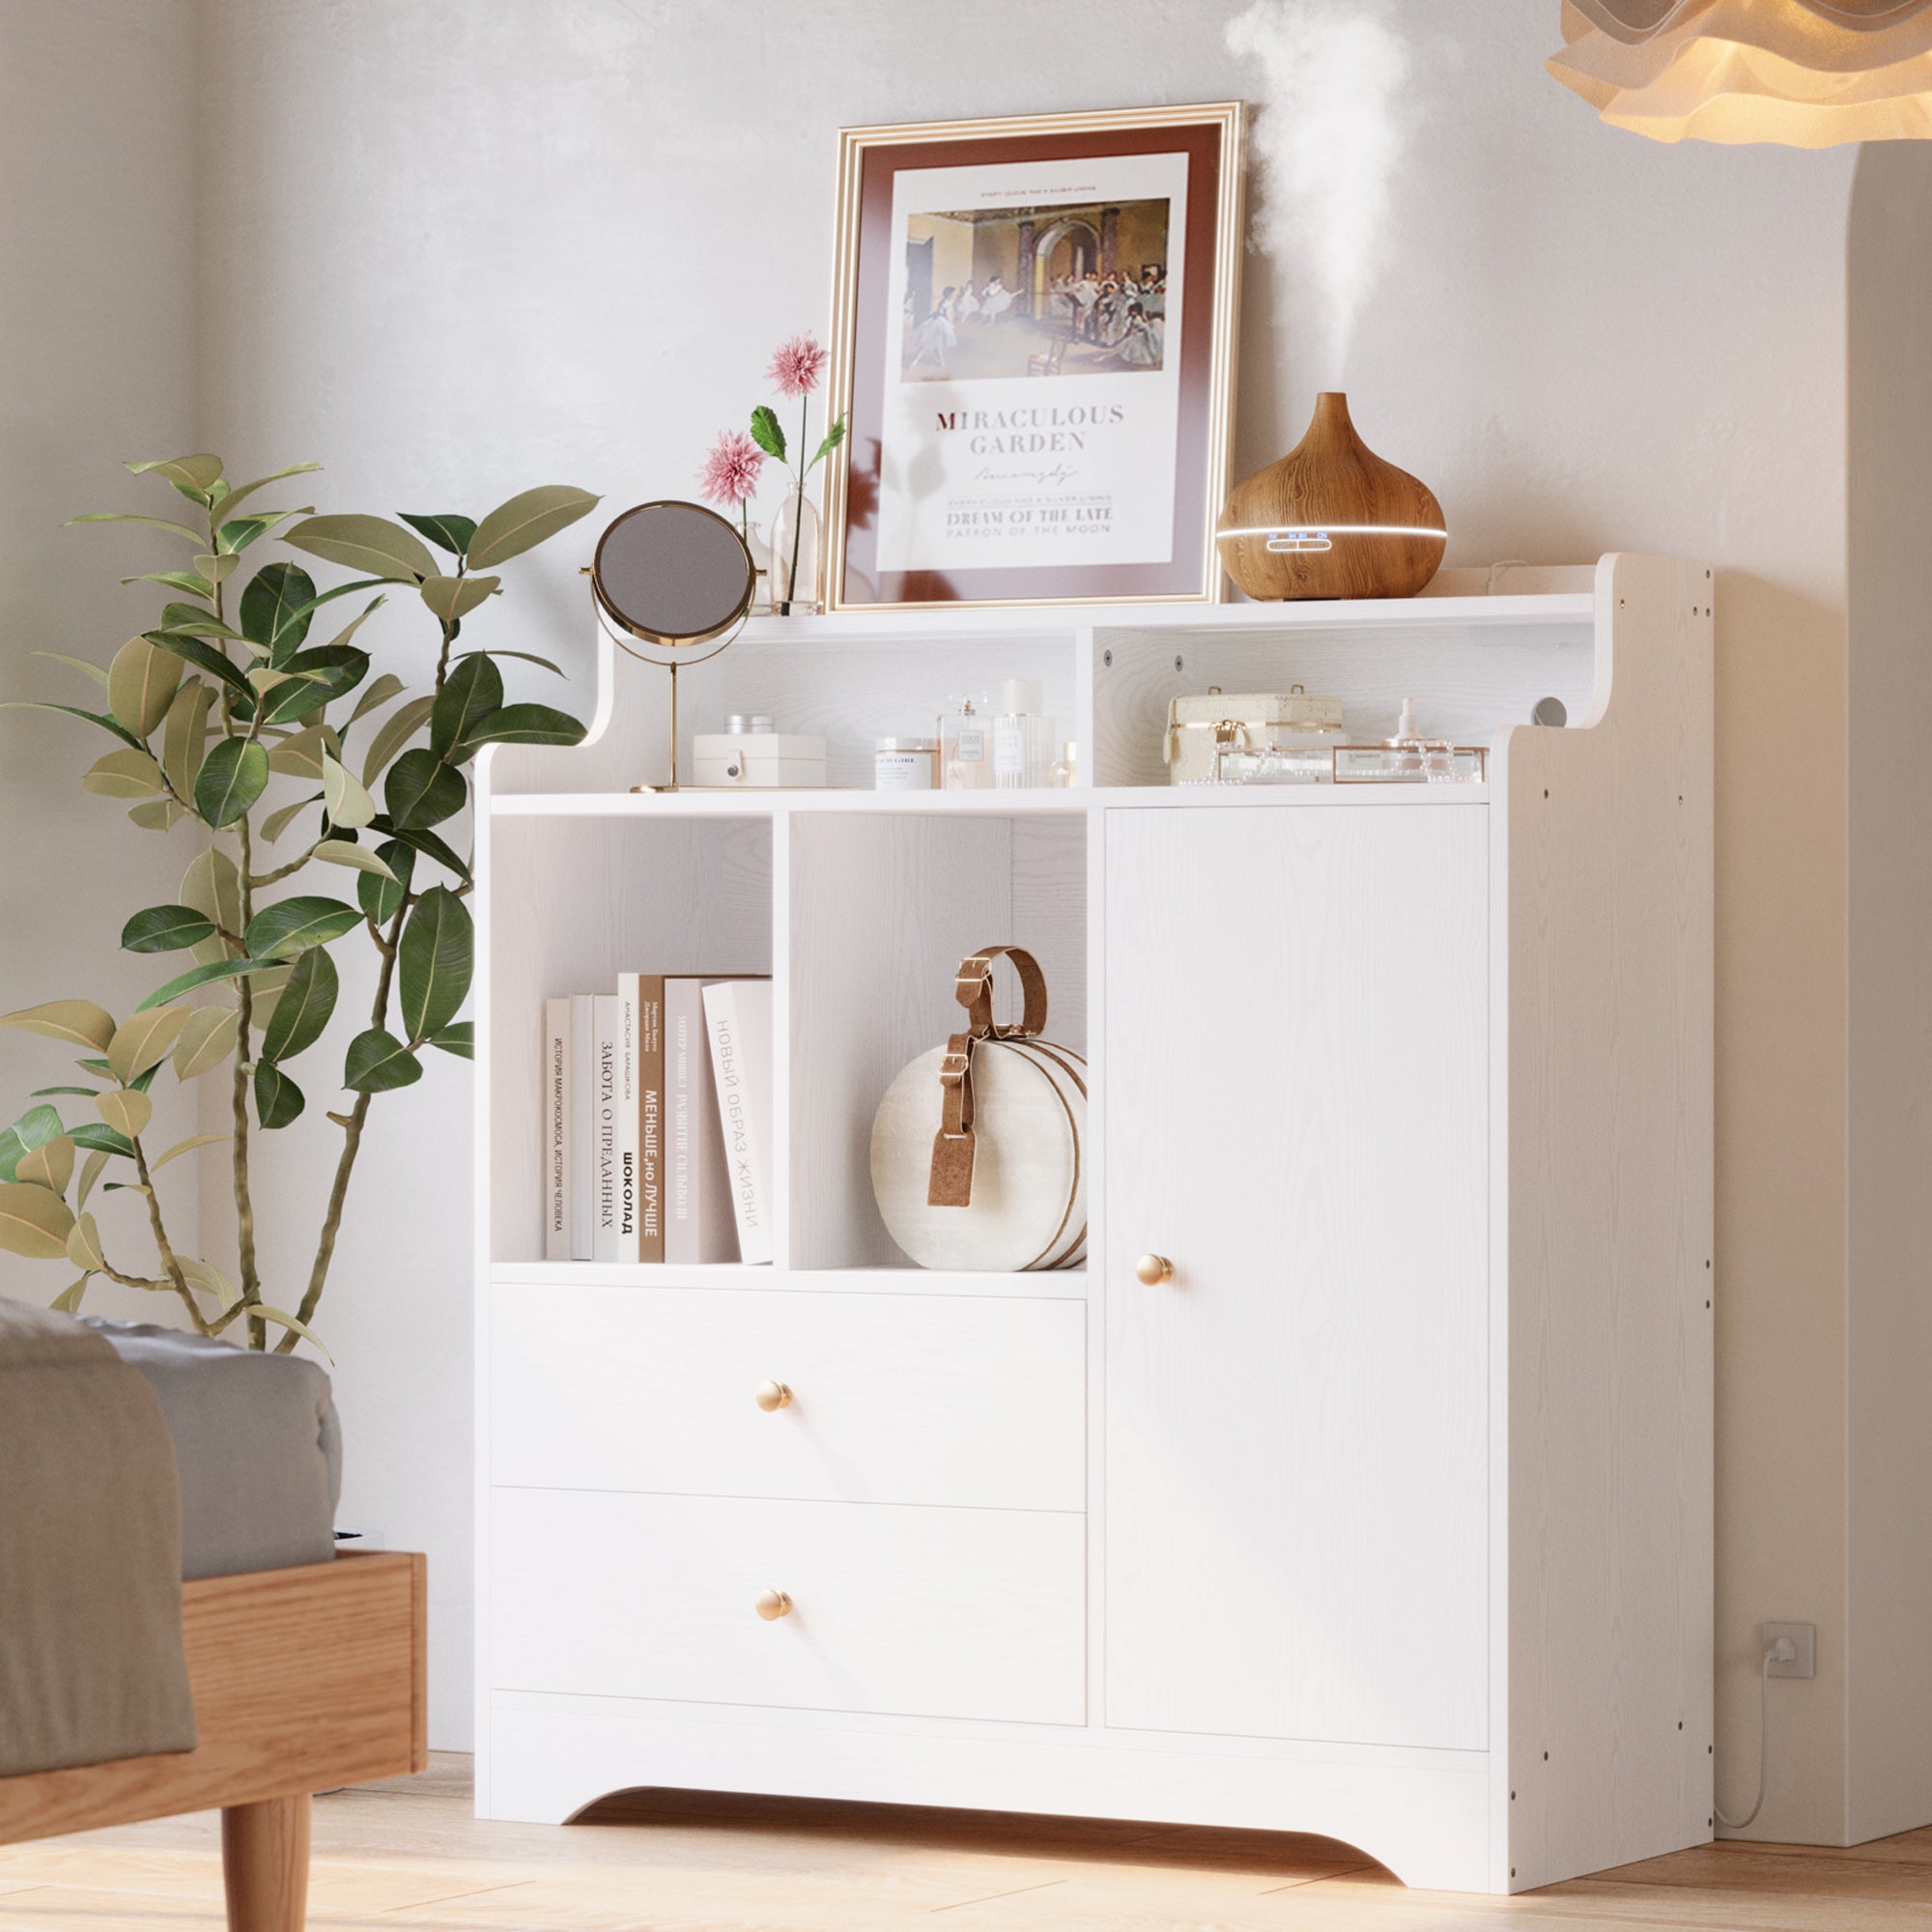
(1033, 339)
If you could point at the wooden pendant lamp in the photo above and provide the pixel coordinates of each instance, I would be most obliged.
(1331, 519)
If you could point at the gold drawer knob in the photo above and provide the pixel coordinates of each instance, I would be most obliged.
(771, 1604)
(1153, 1269)
(773, 1396)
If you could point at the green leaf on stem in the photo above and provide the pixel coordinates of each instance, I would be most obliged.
(370, 544)
(283, 817)
(207, 1040)
(276, 608)
(339, 852)
(34, 1222)
(527, 657)
(317, 677)
(207, 1277)
(217, 663)
(434, 962)
(51, 1164)
(520, 724)
(833, 437)
(236, 495)
(292, 925)
(349, 804)
(767, 432)
(395, 731)
(78, 1021)
(99, 1138)
(191, 582)
(194, 623)
(198, 475)
(421, 791)
(73, 711)
(231, 778)
(154, 523)
(202, 976)
(425, 843)
(143, 1039)
(528, 518)
(185, 734)
(354, 624)
(127, 1110)
(157, 815)
(459, 1040)
(304, 1007)
(83, 1245)
(378, 693)
(93, 671)
(212, 885)
(89, 1173)
(378, 1061)
(451, 598)
(451, 533)
(133, 772)
(474, 689)
(301, 756)
(293, 1323)
(382, 897)
(278, 1100)
(165, 929)
(239, 533)
(67, 1300)
(187, 1146)
(34, 1128)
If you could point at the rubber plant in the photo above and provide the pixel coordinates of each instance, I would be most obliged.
(226, 717)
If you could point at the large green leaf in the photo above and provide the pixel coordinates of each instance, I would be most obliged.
(370, 544)
(217, 663)
(80, 664)
(198, 473)
(187, 1146)
(83, 1245)
(421, 791)
(474, 689)
(275, 608)
(127, 1110)
(79, 1022)
(425, 843)
(207, 1039)
(34, 1128)
(378, 1061)
(291, 925)
(100, 1138)
(354, 624)
(157, 815)
(459, 1040)
(192, 581)
(213, 886)
(265, 992)
(165, 929)
(126, 774)
(767, 432)
(526, 521)
(394, 732)
(300, 756)
(184, 735)
(143, 1039)
(304, 1009)
(153, 522)
(206, 976)
(525, 657)
(191, 621)
(231, 778)
(235, 496)
(448, 532)
(240, 532)
(317, 677)
(339, 852)
(34, 1223)
(434, 962)
(141, 685)
(51, 1163)
(453, 598)
(349, 804)
(277, 1097)
(381, 898)
(520, 725)
(106, 724)
(283, 817)
(294, 1323)
(378, 693)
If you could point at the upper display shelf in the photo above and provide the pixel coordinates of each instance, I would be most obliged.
(1473, 661)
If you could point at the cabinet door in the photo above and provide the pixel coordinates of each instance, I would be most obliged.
(1296, 1108)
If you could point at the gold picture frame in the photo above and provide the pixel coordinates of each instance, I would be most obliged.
(1187, 163)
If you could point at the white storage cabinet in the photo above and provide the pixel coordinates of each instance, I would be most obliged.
(1387, 1513)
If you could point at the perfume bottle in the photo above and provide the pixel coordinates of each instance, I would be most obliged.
(965, 746)
(1022, 738)
(1066, 769)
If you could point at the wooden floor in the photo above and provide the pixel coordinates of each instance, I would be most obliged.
(409, 1853)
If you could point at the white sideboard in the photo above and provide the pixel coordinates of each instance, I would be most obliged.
(1387, 1513)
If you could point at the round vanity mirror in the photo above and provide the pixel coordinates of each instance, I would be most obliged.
(675, 576)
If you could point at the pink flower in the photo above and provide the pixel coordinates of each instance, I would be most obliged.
(730, 471)
(797, 365)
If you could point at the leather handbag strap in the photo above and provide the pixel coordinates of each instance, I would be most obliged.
(950, 1182)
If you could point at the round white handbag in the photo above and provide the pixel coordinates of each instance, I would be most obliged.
(978, 1155)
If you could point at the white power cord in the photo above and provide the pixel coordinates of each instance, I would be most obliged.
(1783, 1651)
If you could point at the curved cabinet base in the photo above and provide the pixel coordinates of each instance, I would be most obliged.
(1424, 1814)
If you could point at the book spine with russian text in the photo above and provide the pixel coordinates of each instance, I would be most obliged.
(738, 1019)
(604, 1244)
(699, 1225)
(583, 1126)
(557, 1100)
(628, 1198)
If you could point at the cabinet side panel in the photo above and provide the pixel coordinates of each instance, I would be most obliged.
(1606, 837)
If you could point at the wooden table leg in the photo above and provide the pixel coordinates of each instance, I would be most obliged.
(265, 1864)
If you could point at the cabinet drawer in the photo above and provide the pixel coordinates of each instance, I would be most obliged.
(957, 1399)
(933, 1612)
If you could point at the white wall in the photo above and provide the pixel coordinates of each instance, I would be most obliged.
(97, 316)
(462, 248)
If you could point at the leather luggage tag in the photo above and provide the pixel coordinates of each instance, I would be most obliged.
(951, 1183)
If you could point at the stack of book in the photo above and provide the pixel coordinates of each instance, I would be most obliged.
(658, 1122)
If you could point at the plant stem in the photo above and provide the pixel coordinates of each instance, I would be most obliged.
(176, 1278)
(352, 1142)
(798, 511)
(245, 1203)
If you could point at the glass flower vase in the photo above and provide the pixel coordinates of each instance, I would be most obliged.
(794, 565)
(761, 566)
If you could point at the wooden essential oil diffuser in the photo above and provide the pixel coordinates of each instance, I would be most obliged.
(1331, 519)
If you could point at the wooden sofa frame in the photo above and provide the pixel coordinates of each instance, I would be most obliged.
(304, 1678)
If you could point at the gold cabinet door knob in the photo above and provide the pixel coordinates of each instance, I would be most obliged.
(773, 1396)
(1153, 1269)
(771, 1604)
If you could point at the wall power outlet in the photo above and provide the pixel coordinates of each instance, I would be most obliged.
(1804, 1639)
